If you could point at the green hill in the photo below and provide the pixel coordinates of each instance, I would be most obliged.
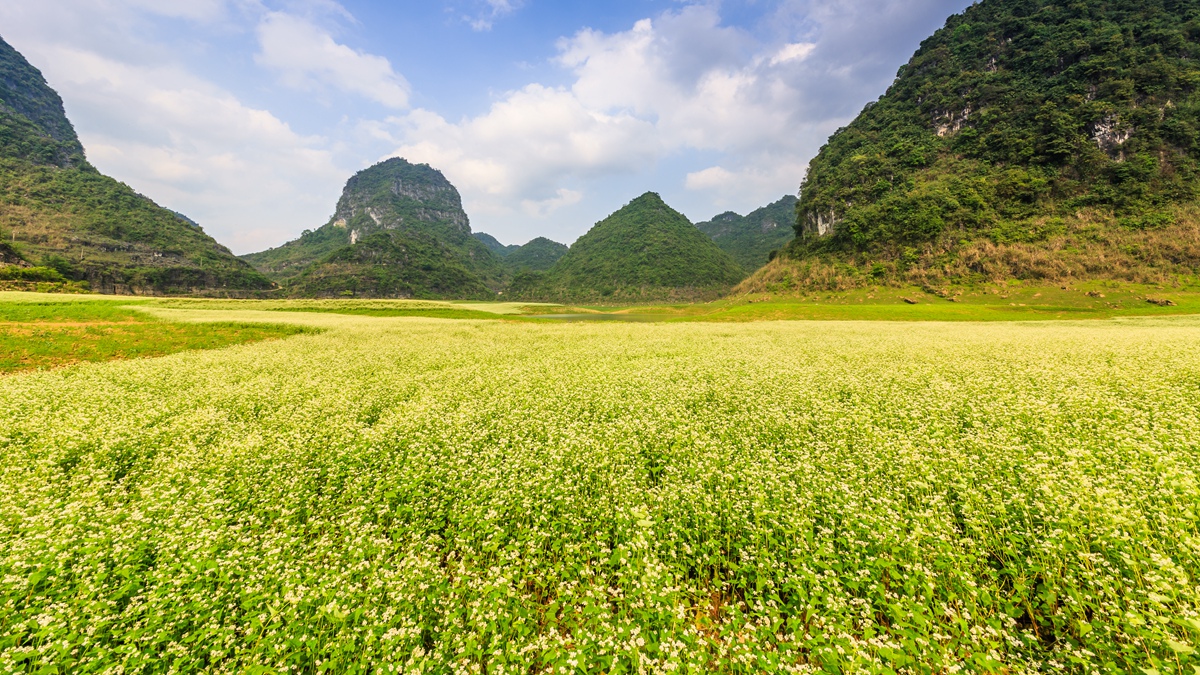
(399, 231)
(60, 214)
(1037, 139)
(645, 251)
(494, 244)
(751, 239)
(538, 255)
(388, 264)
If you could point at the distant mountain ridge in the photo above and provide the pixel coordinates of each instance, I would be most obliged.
(66, 216)
(751, 239)
(399, 230)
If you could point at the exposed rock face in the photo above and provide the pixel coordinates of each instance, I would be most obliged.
(395, 194)
(820, 224)
(1110, 136)
(9, 256)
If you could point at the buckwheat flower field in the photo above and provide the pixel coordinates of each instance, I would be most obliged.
(406, 495)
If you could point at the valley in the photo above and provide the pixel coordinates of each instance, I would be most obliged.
(505, 409)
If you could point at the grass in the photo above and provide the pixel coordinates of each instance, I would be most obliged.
(420, 495)
(991, 302)
(53, 331)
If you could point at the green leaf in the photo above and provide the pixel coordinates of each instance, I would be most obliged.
(1180, 648)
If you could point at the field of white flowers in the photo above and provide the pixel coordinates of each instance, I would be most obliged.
(415, 495)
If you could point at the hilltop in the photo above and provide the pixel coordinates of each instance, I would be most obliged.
(64, 220)
(494, 245)
(399, 231)
(646, 250)
(538, 255)
(751, 239)
(1032, 140)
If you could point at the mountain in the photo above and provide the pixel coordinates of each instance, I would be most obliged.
(1036, 139)
(494, 245)
(646, 250)
(537, 255)
(399, 231)
(61, 213)
(751, 239)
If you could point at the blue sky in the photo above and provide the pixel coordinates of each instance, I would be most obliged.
(249, 115)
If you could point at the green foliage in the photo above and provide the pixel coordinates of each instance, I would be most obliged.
(427, 249)
(494, 245)
(44, 335)
(284, 263)
(15, 273)
(98, 229)
(494, 497)
(645, 245)
(391, 264)
(1016, 111)
(750, 239)
(33, 124)
(538, 255)
(87, 226)
(1147, 221)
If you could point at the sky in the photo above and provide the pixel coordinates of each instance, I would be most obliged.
(249, 116)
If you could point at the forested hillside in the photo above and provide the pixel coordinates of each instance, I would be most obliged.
(752, 239)
(646, 250)
(399, 231)
(1027, 138)
(68, 222)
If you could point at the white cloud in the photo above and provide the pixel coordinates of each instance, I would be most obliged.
(681, 82)
(241, 172)
(712, 114)
(712, 178)
(796, 51)
(545, 207)
(307, 58)
(520, 151)
(484, 13)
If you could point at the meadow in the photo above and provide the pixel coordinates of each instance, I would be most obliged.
(405, 494)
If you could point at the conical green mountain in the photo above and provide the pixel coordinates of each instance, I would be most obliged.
(399, 231)
(537, 255)
(60, 213)
(1032, 139)
(751, 239)
(645, 250)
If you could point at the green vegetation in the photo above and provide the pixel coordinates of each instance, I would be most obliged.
(33, 126)
(391, 264)
(753, 240)
(645, 251)
(55, 333)
(399, 231)
(1019, 129)
(494, 245)
(63, 214)
(399, 495)
(538, 255)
